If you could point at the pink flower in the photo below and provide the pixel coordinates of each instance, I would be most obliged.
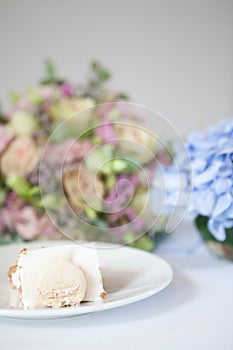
(47, 92)
(43, 94)
(6, 219)
(126, 216)
(164, 158)
(118, 201)
(106, 132)
(20, 158)
(13, 201)
(128, 212)
(67, 89)
(133, 179)
(46, 227)
(77, 151)
(67, 152)
(25, 222)
(24, 104)
(5, 138)
(125, 110)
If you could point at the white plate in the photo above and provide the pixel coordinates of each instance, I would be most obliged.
(128, 274)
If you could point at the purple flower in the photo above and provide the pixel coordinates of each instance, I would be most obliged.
(67, 90)
(106, 132)
(117, 203)
(121, 194)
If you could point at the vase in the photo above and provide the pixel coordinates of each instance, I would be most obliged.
(222, 249)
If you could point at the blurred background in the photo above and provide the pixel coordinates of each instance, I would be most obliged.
(173, 56)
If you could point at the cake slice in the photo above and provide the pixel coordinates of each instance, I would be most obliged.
(58, 276)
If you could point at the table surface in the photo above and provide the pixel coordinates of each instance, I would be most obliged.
(194, 312)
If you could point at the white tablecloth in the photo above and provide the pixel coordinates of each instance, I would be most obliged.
(194, 312)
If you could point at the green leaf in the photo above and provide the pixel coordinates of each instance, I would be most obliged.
(122, 96)
(50, 69)
(129, 237)
(15, 97)
(110, 182)
(2, 196)
(101, 73)
(106, 169)
(144, 242)
(51, 74)
(34, 97)
(119, 165)
(5, 240)
(34, 191)
(23, 188)
(101, 224)
(18, 184)
(50, 201)
(104, 75)
(8, 239)
(2, 118)
(202, 225)
(91, 213)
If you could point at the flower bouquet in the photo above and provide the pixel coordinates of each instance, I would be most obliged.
(205, 165)
(75, 161)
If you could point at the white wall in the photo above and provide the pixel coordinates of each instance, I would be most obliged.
(174, 56)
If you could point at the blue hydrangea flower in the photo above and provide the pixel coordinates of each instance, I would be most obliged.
(210, 156)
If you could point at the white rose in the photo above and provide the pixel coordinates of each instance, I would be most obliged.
(68, 106)
(135, 142)
(23, 123)
(83, 189)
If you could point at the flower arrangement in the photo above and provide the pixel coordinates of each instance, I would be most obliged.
(86, 176)
(207, 171)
